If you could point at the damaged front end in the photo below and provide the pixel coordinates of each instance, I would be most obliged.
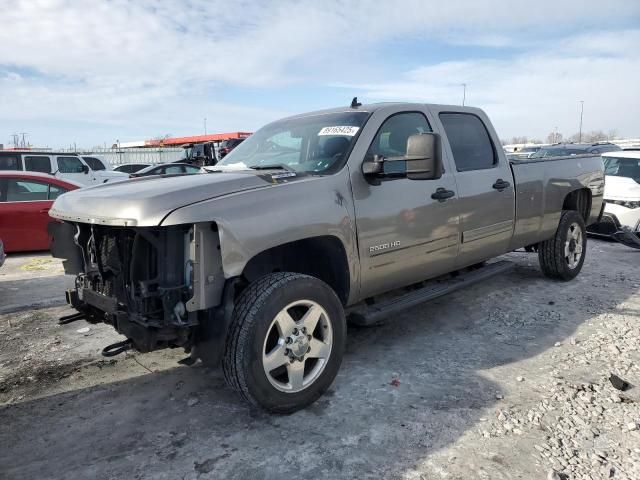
(151, 284)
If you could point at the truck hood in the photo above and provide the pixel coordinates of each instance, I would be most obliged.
(621, 188)
(146, 201)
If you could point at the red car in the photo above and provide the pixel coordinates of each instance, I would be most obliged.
(25, 200)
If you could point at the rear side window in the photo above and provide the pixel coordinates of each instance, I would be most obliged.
(173, 170)
(470, 142)
(37, 164)
(10, 163)
(26, 191)
(94, 163)
(69, 165)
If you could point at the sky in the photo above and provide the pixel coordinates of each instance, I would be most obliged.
(91, 72)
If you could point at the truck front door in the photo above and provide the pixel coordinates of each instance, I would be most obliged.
(404, 235)
(485, 187)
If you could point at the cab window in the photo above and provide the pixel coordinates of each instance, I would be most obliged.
(37, 164)
(391, 139)
(70, 165)
(470, 143)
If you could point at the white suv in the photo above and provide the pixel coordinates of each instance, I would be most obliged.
(85, 170)
(621, 218)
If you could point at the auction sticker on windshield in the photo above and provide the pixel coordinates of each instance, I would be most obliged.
(344, 130)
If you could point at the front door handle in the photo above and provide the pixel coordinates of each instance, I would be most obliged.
(441, 194)
(501, 185)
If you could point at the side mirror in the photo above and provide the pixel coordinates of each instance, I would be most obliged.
(423, 160)
(374, 167)
(424, 157)
(85, 169)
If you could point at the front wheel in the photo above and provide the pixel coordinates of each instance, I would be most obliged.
(286, 341)
(562, 256)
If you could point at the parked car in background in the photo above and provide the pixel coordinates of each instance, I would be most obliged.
(523, 152)
(621, 218)
(65, 166)
(563, 149)
(131, 167)
(227, 145)
(25, 200)
(3, 256)
(168, 169)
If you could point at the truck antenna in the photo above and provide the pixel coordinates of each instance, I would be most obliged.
(355, 103)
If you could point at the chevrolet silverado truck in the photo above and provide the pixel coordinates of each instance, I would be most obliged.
(342, 214)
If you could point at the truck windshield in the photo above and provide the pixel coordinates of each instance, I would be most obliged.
(622, 167)
(317, 144)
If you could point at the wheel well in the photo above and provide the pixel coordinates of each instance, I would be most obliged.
(580, 201)
(322, 257)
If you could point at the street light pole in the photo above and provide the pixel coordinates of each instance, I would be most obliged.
(464, 93)
(581, 112)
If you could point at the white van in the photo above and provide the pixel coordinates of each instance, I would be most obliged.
(83, 169)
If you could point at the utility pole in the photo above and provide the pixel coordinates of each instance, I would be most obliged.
(464, 93)
(581, 112)
(205, 125)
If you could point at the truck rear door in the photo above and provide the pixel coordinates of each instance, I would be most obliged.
(485, 187)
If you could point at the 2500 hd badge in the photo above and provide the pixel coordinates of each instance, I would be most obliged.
(384, 246)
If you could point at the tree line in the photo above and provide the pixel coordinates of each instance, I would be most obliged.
(557, 137)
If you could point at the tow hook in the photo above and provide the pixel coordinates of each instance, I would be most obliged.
(71, 318)
(117, 348)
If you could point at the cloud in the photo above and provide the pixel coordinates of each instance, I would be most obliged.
(120, 64)
(534, 92)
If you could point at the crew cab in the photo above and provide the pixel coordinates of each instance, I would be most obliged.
(259, 264)
(85, 170)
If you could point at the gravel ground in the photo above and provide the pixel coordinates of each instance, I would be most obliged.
(507, 379)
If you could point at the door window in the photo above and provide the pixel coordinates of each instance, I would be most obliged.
(469, 140)
(10, 163)
(26, 191)
(175, 169)
(55, 191)
(94, 163)
(192, 169)
(37, 164)
(391, 139)
(70, 165)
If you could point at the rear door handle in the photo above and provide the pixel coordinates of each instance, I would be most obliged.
(501, 185)
(441, 194)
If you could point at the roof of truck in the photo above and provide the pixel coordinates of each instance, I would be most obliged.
(372, 107)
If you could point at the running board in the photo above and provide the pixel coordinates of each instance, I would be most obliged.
(378, 312)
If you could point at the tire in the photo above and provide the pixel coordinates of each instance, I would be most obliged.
(261, 336)
(562, 256)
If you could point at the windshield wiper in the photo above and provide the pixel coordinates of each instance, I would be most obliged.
(275, 166)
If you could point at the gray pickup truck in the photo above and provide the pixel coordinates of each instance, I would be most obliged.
(259, 264)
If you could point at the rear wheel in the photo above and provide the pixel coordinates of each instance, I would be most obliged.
(562, 256)
(286, 341)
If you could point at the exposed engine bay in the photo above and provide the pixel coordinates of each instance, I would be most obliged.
(151, 284)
